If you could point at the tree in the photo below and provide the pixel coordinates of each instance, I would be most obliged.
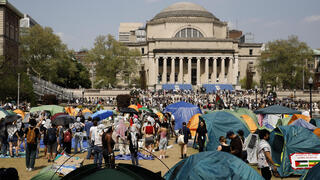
(48, 58)
(284, 62)
(111, 60)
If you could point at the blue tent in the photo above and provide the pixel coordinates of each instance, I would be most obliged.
(313, 173)
(277, 109)
(303, 123)
(182, 112)
(212, 165)
(218, 124)
(315, 122)
(286, 140)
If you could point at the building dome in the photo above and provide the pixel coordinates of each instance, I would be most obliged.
(184, 9)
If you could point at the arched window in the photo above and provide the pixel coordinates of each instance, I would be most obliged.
(188, 33)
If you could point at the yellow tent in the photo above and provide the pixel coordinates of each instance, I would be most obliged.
(20, 112)
(193, 124)
(250, 122)
(299, 116)
(86, 110)
(135, 107)
(71, 111)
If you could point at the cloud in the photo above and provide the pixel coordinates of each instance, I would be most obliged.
(313, 18)
(231, 25)
(60, 34)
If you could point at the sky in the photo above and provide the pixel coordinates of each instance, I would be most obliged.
(79, 22)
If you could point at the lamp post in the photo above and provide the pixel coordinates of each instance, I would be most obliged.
(256, 89)
(18, 99)
(310, 82)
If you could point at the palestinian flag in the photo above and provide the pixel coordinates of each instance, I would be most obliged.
(219, 100)
(139, 106)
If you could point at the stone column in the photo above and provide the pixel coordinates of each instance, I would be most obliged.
(198, 70)
(164, 72)
(189, 70)
(222, 73)
(206, 80)
(214, 72)
(173, 69)
(181, 70)
(230, 69)
(235, 69)
(156, 69)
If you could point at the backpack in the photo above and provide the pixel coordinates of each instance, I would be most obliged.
(31, 136)
(67, 136)
(52, 135)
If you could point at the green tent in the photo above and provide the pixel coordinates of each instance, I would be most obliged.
(283, 122)
(212, 165)
(286, 140)
(249, 113)
(277, 109)
(46, 173)
(219, 123)
(53, 109)
(120, 172)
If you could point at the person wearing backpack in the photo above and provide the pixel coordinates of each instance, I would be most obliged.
(52, 142)
(67, 139)
(78, 138)
(33, 134)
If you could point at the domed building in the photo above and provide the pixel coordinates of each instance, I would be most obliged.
(186, 46)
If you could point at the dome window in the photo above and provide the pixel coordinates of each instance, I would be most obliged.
(189, 33)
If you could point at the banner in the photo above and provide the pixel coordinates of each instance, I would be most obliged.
(304, 160)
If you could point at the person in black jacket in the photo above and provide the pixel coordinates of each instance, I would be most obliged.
(187, 135)
(202, 136)
(235, 144)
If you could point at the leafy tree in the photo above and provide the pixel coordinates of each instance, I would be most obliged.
(48, 58)
(111, 60)
(284, 62)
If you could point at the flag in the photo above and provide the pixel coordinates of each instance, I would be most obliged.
(219, 100)
(139, 106)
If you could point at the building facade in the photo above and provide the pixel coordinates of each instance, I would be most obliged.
(9, 31)
(186, 44)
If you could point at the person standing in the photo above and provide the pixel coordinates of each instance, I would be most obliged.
(108, 145)
(133, 137)
(202, 136)
(52, 143)
(163, 142)
(78, 138)
(185, 131)
(223, 145)
(87, 126)
(149, 132)
(33, 134)
(12, 137)
(98, 145)
(235, 144)
(265, 162)
(67, 139)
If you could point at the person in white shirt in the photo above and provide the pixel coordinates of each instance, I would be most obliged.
(98, 145)
(265, 162)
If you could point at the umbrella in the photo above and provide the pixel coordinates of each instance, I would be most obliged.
(103, 114)
(20, 112)
(160, 115)
(63, 119)
(128, 110)
(71, 111)
(53, 109)
(11, 118)
(86, 110)
(135, 107)
(145, 109)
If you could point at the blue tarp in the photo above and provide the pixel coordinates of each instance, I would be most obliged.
(303, 123)
(210, 88)
(286, 140)
(212, 165)
(218, 124)
(177, 86)
(168, 86)
(182, 112)
(185, 86)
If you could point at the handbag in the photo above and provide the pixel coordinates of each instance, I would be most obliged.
(181, 139)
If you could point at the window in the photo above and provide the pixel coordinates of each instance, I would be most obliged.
(142, 50)
(189, 33)
(250, 52)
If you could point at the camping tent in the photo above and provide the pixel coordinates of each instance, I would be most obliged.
(250, 123)
(299, 116)
(193, 124)
(277, 109)
(120, 172)
(313, 173)
(283, 121)
(286, 140)
(219, 123)
(303, 123)
(245, 111)
(182, 112)
(212, 165)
